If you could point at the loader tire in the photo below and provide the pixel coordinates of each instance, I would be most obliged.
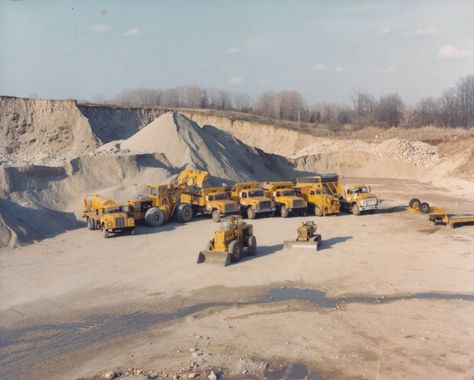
(425, 208)
(235, 250)
(414, 203)
(318, 211)
(216, 216)
(154, 217)
(184, 213)
(355, 209)
(284, 212)
(90, 224)
(252, 245)
(250, 213)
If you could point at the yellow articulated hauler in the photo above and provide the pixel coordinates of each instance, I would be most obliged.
(285, 198)
(252, 200)
(106, 215)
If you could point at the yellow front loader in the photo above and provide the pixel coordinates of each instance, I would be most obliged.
(229, 241)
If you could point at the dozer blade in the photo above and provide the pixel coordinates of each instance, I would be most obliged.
(214, 257)
(312, 243)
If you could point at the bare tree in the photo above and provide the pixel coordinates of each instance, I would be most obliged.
(170, 98)
(465, 101)
(389, 109)
(143, 97)
(267, 105)
(241, 102)
(291, 105)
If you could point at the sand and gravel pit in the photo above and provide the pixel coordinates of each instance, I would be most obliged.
(387, 296)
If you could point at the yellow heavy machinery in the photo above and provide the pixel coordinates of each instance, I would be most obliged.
(252, 199)
(162, 201)
(229, 242)
(353, 198)
(106, 215)
(306, 237)
(212, 201)
(320, 202)
(285, 198)
(438, 215)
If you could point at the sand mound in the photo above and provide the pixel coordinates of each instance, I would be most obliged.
(43, 131)
(184, 143)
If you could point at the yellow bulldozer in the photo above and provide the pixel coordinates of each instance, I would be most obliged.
(162, 202)
(106, 215)
(229, 242)
(306, 237)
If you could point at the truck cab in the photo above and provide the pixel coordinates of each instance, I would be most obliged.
(252, 200)
(285, 198)
(358, 199)
(107, 215)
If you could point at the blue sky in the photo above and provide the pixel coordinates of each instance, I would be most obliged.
(324, 49)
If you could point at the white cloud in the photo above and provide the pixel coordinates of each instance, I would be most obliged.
(233, 50)
(339, 69)
(135, 32)
(263, 81)
(385, 30)
(236, 80)
(427, 31)
(319, 67)
(99, 28)
(453, 52)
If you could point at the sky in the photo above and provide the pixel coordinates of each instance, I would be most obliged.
(324, 49)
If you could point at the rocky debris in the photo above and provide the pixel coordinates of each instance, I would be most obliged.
(110, 375)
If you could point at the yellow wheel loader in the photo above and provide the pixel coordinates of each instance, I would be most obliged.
(106, 215)
(306, 237)
(162, 202)
(230, 242)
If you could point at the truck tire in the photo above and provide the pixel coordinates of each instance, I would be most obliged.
(251, 213)
(414, 203)
(90, 224)
(284, 212)
(154, 217)
(425, 208)
(355, 209)
(216, 216)
(184, 213)
(235, 250)
(252, 245)
(318, 211)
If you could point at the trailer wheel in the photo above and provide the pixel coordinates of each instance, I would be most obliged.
(284, 212)
(355, 209)
(154, 217)
(235, 250)
(216, 216)
(425, 208)
(318, 211)
(414, 203)
(184, 213)
(250, 213)
(252, 245)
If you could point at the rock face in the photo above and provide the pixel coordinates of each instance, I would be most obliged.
(43, 131)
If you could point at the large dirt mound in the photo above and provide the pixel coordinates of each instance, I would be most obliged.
(43, 131)
(184, 143)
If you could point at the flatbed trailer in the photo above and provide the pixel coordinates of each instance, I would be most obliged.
(451, 220)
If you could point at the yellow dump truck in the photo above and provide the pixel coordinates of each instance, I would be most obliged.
(319, 201)
(353, 198)
(106, 215)
(162, 202)
(214, 201)
(285, 198)
(252, 200)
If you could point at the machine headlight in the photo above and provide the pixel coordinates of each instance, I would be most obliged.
(109, 224)
(131, 221)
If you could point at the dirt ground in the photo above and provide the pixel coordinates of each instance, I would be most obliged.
(388, 296)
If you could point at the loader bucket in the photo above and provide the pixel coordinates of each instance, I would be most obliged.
(312, 243)
(214, 257)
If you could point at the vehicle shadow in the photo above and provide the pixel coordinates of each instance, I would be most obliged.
(391, 210)
(262, 251)
(328, 243)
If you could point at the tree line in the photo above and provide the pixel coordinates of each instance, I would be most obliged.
(454, 108)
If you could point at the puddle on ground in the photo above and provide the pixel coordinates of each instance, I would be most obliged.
(37, 343)
(320, 299)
